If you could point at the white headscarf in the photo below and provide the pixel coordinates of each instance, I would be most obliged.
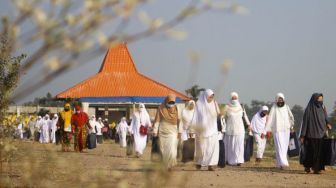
(237, 104)
(258, 123)
(122, 126)
(187, 115)
(142, 107)
(206, 114)
(143, 114)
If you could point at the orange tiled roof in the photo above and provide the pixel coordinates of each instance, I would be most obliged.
(118, 77)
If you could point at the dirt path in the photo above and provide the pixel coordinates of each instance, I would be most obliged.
(107, 166)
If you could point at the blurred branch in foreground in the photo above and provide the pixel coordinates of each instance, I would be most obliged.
(62, 35)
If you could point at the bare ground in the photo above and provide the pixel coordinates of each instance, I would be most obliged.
(37, 165)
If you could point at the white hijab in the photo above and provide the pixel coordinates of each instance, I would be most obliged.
(206, 114)
(143, 114)
(236, 106)
(187, 114)
(55, 119)
(122, 126)
(258, 123)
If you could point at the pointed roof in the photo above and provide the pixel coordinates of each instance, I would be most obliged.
(118, 77)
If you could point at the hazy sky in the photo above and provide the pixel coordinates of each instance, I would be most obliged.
(280, 46)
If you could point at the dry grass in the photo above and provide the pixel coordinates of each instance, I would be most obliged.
(37, 165)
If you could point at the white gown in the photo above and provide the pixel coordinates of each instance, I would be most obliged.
(122, 130)
(46, 124)
(235, 135)
(280, 121)
(140, 141)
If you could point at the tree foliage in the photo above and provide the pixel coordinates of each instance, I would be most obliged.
(9, 71)
(194, 92)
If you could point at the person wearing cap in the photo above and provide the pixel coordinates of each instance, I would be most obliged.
(258, 125)
(64, 123)
(80, 122)
(235, 131)
(280, 122)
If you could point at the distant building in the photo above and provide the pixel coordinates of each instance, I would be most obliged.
(116, 89)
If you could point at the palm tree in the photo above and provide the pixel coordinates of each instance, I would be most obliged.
(194, 92)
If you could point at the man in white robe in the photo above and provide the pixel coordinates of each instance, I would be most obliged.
(122, 130)
(258, 125)
(140, 118)
(280, 121)
(205, 123)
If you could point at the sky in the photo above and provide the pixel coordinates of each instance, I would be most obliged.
(279, 46)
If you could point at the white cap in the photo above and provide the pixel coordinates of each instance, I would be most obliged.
(234, 94)
(280, 95)
(264, 108)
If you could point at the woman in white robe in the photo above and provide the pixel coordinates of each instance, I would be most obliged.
(99, 133)
(93, 123)
(140, 117)
(205, 123)
(185, 129)
(38, 127)
(46, 124)
(53, 129)
(19, 128)
(280, 121)
(166, 128)
(122, 130)
(235, 131)
(258, 125)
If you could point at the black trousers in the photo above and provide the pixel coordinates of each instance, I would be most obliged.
(313, 156)
(221, 161)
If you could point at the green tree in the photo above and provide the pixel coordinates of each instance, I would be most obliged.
(332, 120)
(9, 70)
(194, 92)
(255, 107)
(49, 101)
(297, 111)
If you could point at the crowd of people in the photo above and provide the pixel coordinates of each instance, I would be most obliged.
(219, 133)
(204, 132)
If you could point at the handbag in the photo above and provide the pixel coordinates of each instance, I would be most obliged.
(143, 130)
(104, 130)
(293, 148)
